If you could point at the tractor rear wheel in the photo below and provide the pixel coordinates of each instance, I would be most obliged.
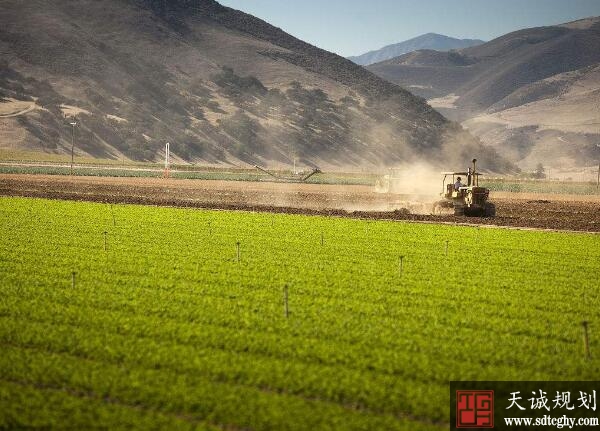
(490, 209)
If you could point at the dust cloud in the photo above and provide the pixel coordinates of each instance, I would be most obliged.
(408, 178)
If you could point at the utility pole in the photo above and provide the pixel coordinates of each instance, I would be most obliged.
(73, 124)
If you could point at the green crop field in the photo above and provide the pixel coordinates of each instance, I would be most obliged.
(185, 173)
(164, 326)
(542, 186)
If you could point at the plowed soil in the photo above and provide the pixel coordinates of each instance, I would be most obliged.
(557, 212)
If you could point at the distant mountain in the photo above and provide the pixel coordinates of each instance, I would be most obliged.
(534, 94)
(437, 42)
(221, 86)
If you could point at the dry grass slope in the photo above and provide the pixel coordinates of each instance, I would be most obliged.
(220, 85)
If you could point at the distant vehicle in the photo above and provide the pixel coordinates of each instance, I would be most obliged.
(397, 181)
(468, 199)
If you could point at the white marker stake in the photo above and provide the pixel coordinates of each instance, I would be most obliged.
(167, 161)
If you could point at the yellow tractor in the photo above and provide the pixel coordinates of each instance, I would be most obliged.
(466, 199)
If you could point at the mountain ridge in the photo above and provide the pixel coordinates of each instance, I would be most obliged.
(433, 41)
(513, 72)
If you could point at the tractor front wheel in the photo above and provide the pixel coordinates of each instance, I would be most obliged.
(459, 210)
(490, 209)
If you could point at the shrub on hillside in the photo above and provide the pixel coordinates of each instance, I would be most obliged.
(235, 85)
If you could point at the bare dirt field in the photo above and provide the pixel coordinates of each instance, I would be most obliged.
(560, 212)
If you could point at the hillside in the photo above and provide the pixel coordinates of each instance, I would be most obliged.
(433, 41)
(555, 120)
(543, 78)
(220, 85)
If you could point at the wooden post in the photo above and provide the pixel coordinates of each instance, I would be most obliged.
(105, 233)
(285, 301)
(73, 279)
(586, 340)
(238, 250)
(401, 264)
(113, 215)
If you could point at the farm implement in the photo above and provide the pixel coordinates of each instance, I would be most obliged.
(293, 178)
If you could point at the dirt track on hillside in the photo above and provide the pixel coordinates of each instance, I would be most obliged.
(560, 212)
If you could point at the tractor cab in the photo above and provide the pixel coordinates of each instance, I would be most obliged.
(448, 189)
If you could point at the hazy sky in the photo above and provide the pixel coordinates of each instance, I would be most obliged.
(351, 27)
